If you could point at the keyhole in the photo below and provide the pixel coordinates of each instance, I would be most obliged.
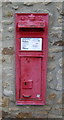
(25, 83)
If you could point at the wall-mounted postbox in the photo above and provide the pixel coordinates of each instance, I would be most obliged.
(31, 58)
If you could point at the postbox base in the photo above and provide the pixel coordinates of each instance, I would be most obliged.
(30, 103)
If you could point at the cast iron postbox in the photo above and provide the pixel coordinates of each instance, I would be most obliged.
(31, 58)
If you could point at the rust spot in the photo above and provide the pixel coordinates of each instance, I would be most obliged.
(59, 43)
(24, 115)
(8, 51)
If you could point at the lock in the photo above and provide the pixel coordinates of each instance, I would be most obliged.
(31, 58)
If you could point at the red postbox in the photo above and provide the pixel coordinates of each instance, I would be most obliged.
(31, 58)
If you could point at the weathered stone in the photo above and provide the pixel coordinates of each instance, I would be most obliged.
(42, 10)
(49, 76)
(54, 34)
(0, 104)
(24, 115)
(61, 62)
(59, 75)
(56, 109)
(3, 60)
(10, 14)
(0, 114)
(8, 51)
(60, 10)
(7, 12)
(56, 49)
(5, 102)
(54, 116)
(47, 108)
(0, 101)
(51, 57)
(38, 116)
(4, 114)
(5, 84)
(46, 3)
(52, 96)
(27, 107)
(59, 85)
(29, 3)
(15, 7)
(7, 92)
(13, 109)
(46, 11)
(10, 29)
(8, 59)
(59, 101)
(0, 36)
(50, 19)
(43, 112)
(57, 35)
(59, 43)
(59, 79)
(7, 22)
(51, 65)
(0, 4)
(57, 29)
(7, 37)
(60, 20)
(63, 97)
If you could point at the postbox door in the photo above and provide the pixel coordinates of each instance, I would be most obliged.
(30, 77)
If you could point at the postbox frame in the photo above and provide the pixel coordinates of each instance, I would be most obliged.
(44, 62)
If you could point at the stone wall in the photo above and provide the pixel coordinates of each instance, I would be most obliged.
(53, 109)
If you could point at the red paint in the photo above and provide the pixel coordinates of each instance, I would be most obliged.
(31, 66)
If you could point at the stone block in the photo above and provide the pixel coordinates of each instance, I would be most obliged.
(7, 22)
(10, 29)
(8, 51)
(49, 76)
(61, 62)
(5, 102)
(59, 43)
(52, 96)
(51, 65)
(56, 110)
(7, 92)
(29, 3)
(5, 84)
(54, 116)
(24, 115)
(51, 57)
(55, 49)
